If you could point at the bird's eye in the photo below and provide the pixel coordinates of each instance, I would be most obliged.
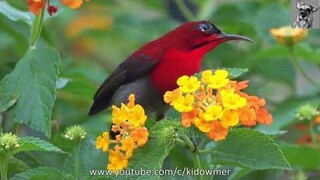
(308, 10)
(205, 27)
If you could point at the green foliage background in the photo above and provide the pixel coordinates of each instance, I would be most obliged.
(51, 87)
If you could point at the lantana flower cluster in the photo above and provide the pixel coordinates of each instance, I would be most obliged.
(128, 121)
(308, 117)
(288, 36)
(35, 6)
(214, 104)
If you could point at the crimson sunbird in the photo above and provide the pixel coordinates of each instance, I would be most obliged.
(155, 67)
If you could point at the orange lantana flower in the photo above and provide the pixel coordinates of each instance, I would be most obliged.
(35, 6)
(73, 4)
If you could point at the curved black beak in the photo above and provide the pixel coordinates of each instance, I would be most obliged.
(229, 37)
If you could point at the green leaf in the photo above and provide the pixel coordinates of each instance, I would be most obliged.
(251, 149)
(40, 173)
(275, 51)
(90, 158)
(34, 79)
(7, 100)
(233, 72)
(305, 52)
(161, 140)
(35, 144)
(285, 113)
(16, 166)
(14, 14)
(262, 19)
(236, 72)
(304, 157)
(238, 173)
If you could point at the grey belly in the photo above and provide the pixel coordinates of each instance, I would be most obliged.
(146, 95)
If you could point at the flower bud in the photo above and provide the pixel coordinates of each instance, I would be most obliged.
(307, 112)
(8, 141)
(75, 133)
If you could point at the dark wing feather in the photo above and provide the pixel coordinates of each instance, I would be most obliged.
(132, 68)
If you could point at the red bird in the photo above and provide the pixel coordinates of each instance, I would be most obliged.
(155, 67)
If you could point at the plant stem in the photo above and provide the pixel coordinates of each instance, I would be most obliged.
(186, 141)
(189, 143)
(185, 10)
(312, 135)
(76, 161)
(204, 151)
(36, 28)
(203, 140)
(4, 166)
(296, 63)
(180, 142)
(16, 128)
(197, 163)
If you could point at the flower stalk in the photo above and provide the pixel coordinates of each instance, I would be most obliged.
(186, 141)
(36, 28)
(4, 165)
(197, 163)
(295, 62)
(77, 161)
(8, 142)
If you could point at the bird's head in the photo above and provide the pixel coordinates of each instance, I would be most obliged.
(200, 36)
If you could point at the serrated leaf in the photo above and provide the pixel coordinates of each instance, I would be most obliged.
(90, 158)
(14, 14)
(47, 173)
(161, 141)
(304, 157)
(16, 166)
(35, 144)
(34, 79)
(249, 148)
(7, 100)
(236, 72)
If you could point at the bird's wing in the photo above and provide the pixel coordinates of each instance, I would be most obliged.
(137, 65)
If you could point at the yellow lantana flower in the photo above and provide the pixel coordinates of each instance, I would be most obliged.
(103, 142)
(117, 160)
(206, 76)
(171, 96)
(202, 125)
(120, 115)
(131, 101)
(229, 118)
(188, 84)
(216, 81)
(231, 100)
(184, 104)
(128, 146)
(213, 112)
(137, 116)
